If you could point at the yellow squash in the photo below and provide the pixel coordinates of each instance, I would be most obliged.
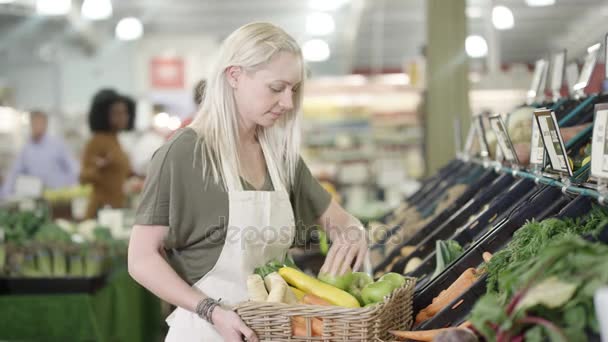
(318, 288)
(299, 294)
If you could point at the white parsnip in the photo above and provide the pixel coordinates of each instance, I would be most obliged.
(255, 288)
(276, 286)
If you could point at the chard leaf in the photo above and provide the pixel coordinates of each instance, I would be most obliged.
(551, 293)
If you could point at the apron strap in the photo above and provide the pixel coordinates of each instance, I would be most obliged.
(233, 182)
(272, 167)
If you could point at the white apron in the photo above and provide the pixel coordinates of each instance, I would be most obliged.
(261, 227)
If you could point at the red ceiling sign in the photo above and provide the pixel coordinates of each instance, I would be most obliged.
(167, 73)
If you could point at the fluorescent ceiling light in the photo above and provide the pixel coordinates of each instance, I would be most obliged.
(502, 18)
(53, 7)
(129, 28)
(540, 3)
(316, 50)
(320, 24)
(96, 9)
(474, 12)
(476, 46)
(326, 5)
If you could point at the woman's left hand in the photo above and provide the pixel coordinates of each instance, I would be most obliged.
(348, 245)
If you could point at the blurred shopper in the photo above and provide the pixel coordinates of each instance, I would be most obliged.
(105, 165)
(150, 140)
(199, 95)
(44, 157)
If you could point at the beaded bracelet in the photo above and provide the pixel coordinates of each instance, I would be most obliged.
(205, 307)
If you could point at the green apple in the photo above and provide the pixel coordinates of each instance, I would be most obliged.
(375, 292)
(394, 278)
(341, 282)
(359, 281)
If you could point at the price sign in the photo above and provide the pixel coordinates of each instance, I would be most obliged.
(572, 76)
(468, 147)
(557, 73)
(481, 134)
(503, 139)
(599, 146)
(537, 149)
(539, 73)
(552, 139)
(28, 187)
(588, 67)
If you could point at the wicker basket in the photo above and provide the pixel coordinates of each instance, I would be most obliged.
(272, 321)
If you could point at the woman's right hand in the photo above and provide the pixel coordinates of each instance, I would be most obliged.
(231, 326)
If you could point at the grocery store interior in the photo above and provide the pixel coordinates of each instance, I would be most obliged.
(466, 139)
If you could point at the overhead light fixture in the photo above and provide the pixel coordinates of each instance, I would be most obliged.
(540, 3)
(162, 120)
(326, 5)
(320, 24)
(476, 46)
(502, 18)
(474, 12)
(174, 123)
(53, 7)
(96, 9)
(315, 50)
(129, 28)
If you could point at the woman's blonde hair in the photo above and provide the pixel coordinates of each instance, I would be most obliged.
(216, 123)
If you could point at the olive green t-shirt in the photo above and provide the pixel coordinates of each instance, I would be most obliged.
(196, 209)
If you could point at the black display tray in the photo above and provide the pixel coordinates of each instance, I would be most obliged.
(30, 286)
(485, 178)
(545, 203)
(458, 310)
(497, 211)
(449, 226)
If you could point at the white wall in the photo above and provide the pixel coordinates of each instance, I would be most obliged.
(198, 53)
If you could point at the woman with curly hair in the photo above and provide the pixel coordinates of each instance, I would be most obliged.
(104, 163)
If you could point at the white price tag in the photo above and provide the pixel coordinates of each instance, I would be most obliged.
(557, 73)
(468, 147)
(552, 139)
(571, 76)
(504, 141)
(600, 301)
(539, 72)
(113, 219)
(28, 187)
(588, 67)
(599, 146)
(481, 135)
(537, 149)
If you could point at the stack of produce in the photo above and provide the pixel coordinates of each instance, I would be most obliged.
(283, 283)
(35, 246)
(542, 285)
(67, 194)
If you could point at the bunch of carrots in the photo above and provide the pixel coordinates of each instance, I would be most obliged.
(298, 323)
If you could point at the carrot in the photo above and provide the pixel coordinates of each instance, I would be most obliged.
(298, 324)
(421, 335)
(466, 279)
(311, 299)
(466, 325)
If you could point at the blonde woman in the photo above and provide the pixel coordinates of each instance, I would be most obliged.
(223, 195)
